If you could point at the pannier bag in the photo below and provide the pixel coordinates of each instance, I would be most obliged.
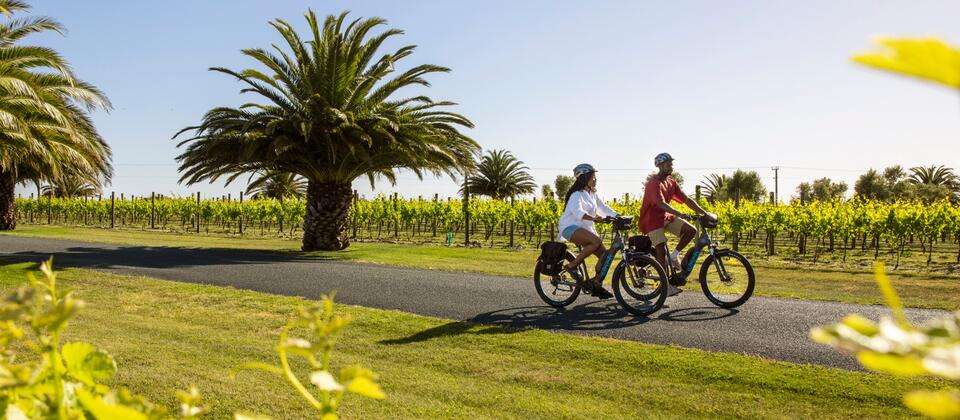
(553, 257)
(640, 243)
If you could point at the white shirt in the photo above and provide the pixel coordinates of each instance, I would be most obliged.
(580, 203)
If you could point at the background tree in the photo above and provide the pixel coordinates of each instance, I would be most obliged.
(332, 114)
(747, 184)
(872, 186)
(888, 186)
(277, 184)
(45, 129)
(500, 175)
(562, 184)
(824, 189)
(900, 187)
(547, 191)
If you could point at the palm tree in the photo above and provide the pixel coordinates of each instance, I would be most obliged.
(277, 185)
(44, 127)
(933, 183)
(713, 187)
(71, 185)
(500, 175)
(933, 175)
(332, 114)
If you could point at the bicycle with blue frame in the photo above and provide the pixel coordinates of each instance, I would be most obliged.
(726, 276)
(639, 281)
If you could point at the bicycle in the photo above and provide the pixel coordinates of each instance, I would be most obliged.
(732, 283)
(641, 289)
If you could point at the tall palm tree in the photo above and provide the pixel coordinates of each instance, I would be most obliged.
(500, 175)
(332, 114)
(45, 130)
(713, 187)
(278, 184)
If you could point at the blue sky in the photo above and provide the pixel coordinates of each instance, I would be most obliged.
(720, 85)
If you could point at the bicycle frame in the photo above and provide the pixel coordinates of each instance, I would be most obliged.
(702, 241)
(616, 245)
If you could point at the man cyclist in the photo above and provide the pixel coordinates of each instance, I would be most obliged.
(658, 217)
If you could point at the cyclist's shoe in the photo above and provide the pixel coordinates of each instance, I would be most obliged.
(673, 290)
(574, 273)
(678, 279)
(600, 293)
(675, 261)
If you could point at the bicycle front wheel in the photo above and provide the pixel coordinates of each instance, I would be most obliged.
(559, 290)
(640, 284)
(727, 279)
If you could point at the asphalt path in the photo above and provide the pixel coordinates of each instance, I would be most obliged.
(772, 328)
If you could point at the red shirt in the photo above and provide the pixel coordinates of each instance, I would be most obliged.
(652, 217)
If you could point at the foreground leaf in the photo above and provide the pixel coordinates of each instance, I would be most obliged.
(935, 404)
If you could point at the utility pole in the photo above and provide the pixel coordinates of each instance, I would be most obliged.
(776, 185)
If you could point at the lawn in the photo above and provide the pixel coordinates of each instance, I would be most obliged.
(774, 278)
(168, 335)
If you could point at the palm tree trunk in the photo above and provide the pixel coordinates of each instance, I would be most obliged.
(8, 202)
(327, 222)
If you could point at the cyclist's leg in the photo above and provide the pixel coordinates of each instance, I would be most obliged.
(684, 232)
(589, 243)
(658, 239)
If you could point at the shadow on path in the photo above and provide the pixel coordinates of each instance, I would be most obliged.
(703, 313)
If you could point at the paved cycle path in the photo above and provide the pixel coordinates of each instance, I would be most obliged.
(772, 328)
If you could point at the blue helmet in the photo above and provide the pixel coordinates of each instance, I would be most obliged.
(663, 157)
(583, 168)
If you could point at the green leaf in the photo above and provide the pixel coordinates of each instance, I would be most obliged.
(935, 404)
(861, 325)
(104, 411)
(366, 387)
(250, 416)
(87, 364)
(906, 365)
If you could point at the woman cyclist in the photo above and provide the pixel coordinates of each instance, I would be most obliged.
(581, 209)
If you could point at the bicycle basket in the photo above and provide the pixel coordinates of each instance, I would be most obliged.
(553, 256)
(640, 243)
(623, 223)
(709, 220)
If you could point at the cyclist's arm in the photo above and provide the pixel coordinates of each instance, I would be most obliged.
(667, 207)
(604, 209)
(693, 204)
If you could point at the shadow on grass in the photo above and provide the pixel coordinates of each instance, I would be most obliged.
(159, 257)
(593, 316)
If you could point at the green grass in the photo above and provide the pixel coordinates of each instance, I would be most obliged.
(167, 335)
(774, 278)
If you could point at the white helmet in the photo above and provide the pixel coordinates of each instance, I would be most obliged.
(583, 168)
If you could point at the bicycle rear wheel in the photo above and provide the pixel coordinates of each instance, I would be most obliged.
(640, 284)
(559, 290)
(727, 279)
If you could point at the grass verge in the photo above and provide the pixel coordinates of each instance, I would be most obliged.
(167, 335)
(918, 290)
